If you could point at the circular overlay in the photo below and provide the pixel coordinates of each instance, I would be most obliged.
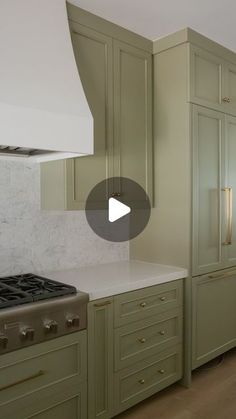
(117, 209)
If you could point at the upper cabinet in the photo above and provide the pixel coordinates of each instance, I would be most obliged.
(133, 116)
(212, 81)
(117, 80)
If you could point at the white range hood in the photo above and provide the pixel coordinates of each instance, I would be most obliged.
(44, 114)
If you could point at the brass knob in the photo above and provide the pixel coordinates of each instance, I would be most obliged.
(143, 304)
(51, 326)
(162, 332)
(163, 298)
(27, 333)
(3, 341)
(161, 371)
(141, 381)
(226, 99)
(142, 340)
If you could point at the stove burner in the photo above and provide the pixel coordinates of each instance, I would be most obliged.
(19, 289)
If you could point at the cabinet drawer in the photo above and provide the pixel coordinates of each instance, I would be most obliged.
(69, 403)
(138, 340)
(135, 383)
(46, 364)
(137, 305)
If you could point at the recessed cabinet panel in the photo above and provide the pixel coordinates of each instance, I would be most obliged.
(132, 109)
(230, 88)
(206, 73)
(214, 316)
(231, 183)
(100, 359)
(69, 409)
(207, 160)
(93, 52)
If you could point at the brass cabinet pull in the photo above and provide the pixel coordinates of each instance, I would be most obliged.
(161, 371)
(222, 275)
(226, 99)
(162, 332)
(105, 303)
(142, 340)
(24, 380)
(143, 304)
(229, 215)
(163, 298)
(141, 381)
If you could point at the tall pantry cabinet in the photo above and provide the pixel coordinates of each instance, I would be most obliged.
(193, 222)
(115, 67)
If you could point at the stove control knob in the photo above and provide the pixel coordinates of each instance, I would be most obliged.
(3, 341)
(27, 333)
(51, 326)
(73, 321)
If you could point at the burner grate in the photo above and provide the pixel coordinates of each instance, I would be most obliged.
(19, 289)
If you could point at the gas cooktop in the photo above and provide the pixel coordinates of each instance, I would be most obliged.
(27, 288)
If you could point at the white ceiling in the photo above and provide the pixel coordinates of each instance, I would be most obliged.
(156, 18)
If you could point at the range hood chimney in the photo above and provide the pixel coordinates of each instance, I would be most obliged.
(44, 114)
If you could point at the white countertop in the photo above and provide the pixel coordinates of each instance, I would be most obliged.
(115, 278)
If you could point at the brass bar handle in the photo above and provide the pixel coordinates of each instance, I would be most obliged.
(105, 303)
(23, 380)
(229, 212)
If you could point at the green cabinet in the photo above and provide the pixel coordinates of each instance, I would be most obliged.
(46, 380)
(132, 116)
(214, 183)
(100, 358)
(134, 347)
(214, 315)
(117, 80)
(212, 80)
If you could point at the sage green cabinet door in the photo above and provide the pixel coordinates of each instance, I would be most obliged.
(214, 316)
(132, 117)
(206, 72)
(229, 203)
(100, 358)
(208, 180)
(68, 409)
(93, 52)
(229, 88)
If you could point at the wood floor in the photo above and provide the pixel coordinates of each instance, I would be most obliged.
(211, 396)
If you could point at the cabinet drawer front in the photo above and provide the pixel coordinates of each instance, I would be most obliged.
(144, 338)
(70, 402)
(137, 305)
(147, 377)
(49, 363)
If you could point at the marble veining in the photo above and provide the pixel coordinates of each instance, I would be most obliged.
(35, 240)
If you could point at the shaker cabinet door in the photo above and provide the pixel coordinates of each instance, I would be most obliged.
(208, 182)
(229, 204)
(132, 117)
(214, 315)
(100, 359)
(206, 72)
(229, 88)
(93, 52)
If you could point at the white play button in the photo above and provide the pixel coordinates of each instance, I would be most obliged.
(117, 209)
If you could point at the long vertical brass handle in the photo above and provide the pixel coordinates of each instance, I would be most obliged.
(229, 215)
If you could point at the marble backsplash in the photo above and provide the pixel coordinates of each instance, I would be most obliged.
(35, 240)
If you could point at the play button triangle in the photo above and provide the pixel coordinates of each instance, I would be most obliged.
(117, 210)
